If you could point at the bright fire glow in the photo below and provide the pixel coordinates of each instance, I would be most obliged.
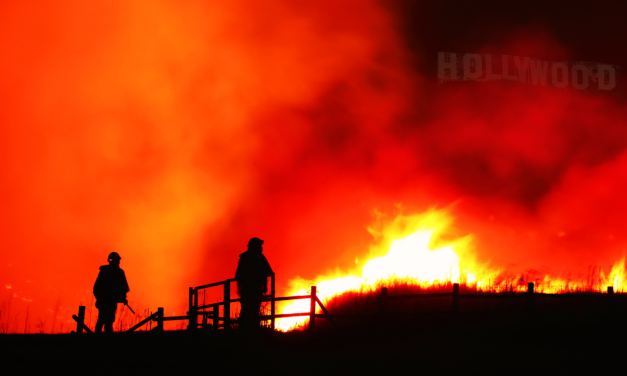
(415, 251)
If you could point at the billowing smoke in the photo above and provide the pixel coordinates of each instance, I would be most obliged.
(153, 128)
(172, 132)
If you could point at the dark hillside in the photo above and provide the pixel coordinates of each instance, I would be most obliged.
(505, 343)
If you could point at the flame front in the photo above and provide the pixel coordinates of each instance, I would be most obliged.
(415, 251)
(410, 248)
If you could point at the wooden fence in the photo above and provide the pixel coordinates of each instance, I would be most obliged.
(530, 296)
(225, 321)
(157, 316)
(212, 311)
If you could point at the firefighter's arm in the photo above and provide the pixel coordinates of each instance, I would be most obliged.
(269, 273)
(97, 286)
(125, 289)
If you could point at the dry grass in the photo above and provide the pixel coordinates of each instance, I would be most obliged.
(124, 320)
(365, 302)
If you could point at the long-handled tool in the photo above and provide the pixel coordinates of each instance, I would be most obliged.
(129, 307)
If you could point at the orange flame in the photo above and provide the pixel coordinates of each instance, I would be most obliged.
(415, 249)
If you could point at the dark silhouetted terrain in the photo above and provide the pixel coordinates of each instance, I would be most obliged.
(505, 343)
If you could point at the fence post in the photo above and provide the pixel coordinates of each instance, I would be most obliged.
(81, 319)
(610, 299)
(193, 319)
(160, 316)
(227, 305)
(312, 309)
(272, 305)
(195, 308)
(216, 317)
(530, 297)
(455, 297)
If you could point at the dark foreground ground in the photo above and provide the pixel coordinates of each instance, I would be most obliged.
(434, 344)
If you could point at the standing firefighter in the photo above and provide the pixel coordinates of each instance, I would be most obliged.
(252, 275)
(110, 289)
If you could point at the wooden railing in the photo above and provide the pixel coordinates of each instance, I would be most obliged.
(196, 310)
(212, 311)
(157, 316)
(225, 321)
(80, 321)
(530, 296)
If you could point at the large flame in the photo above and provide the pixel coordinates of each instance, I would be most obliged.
(415, 250)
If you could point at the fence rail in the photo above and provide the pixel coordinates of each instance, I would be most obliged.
(157, 316)
(224, 321)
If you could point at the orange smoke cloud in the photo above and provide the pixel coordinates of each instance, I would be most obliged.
(141, 127)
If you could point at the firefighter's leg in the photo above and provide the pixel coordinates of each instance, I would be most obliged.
(111, 317)
(100, 323)
(255, 312)
(243, 313)
(106, 316)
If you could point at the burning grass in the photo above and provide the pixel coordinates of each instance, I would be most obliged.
(422, 253)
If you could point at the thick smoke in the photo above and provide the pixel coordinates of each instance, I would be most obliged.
(153, 128)
(173, 132)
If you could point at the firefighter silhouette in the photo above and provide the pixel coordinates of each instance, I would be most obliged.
(252, 275)
(110, 289)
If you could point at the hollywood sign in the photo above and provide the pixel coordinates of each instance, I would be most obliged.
(580, 75)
